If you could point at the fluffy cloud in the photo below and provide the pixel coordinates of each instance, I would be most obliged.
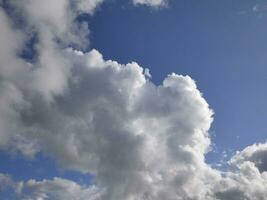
(54, 189)
(102, 117)
(123, 125)
(139, 140)
(248, 180)
(57, 188)
(87, 6)
(255, 154)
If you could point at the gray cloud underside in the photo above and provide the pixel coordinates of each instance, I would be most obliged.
(141, 141)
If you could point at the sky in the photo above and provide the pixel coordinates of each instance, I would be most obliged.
(133, 100)
(220, 44)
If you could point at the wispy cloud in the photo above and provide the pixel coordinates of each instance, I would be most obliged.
(260, 7)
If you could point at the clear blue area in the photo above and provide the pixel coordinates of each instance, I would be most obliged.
(220, 44)
(39, 168)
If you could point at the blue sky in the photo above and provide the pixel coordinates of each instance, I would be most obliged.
(219, 44)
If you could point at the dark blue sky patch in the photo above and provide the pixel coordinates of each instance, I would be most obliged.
(39, 168)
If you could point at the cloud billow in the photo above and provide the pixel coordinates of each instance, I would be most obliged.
(141, 141)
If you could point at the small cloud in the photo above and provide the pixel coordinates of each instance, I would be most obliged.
(152, 3)
(147, 73)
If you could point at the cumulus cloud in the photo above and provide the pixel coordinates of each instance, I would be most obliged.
(54, 189)
(102, 117)
(141, 141)
(117, 125)
(57, 188)
(245, 183)
(255, 154)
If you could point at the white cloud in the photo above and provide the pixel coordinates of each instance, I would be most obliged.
(256, 154)
(57, 19)
(55, 189)
(117, 125)
(154, 3)
(139, 140)
(88, 6)
(245, 184)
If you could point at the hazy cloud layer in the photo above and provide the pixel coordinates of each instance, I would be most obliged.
(141, 141)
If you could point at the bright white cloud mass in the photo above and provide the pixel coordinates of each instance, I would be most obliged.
(139, 140)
